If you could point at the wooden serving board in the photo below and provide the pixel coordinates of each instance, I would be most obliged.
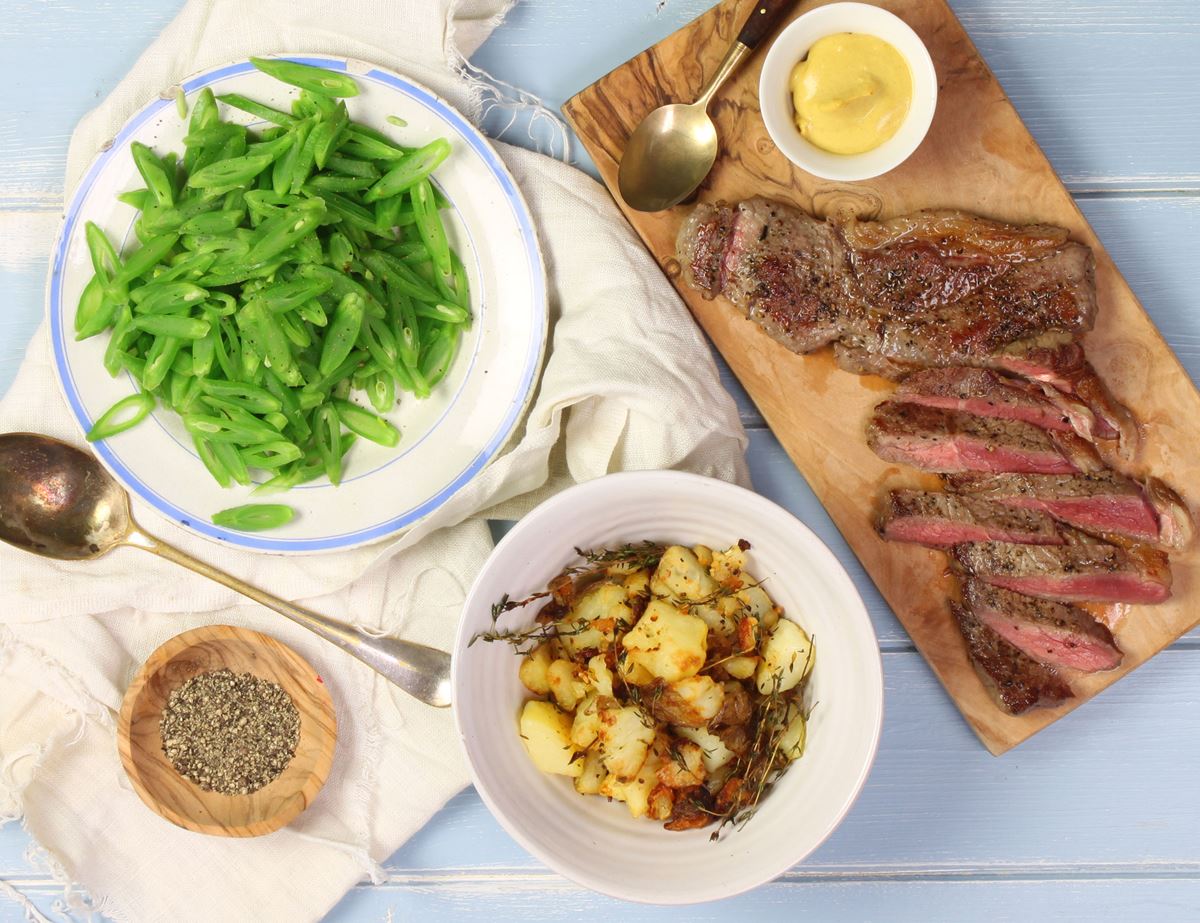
(980, 157)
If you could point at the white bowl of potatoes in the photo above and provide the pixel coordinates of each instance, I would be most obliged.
(682, 712)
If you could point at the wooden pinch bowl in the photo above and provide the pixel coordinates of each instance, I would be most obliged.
(181, 801)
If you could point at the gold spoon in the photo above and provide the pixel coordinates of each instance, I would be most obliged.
(674, 147)
(59, 502)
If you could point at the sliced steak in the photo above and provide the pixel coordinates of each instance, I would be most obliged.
(1015, 680)
(1053, 633)
(1101, 501)
(987, 393)
(947, 441)
(1064, 369)
(941, 519)
(1084, 569)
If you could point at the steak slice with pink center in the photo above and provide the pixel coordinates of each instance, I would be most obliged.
(941, 519)
(987, 393)
(1015, 680)
(1083, 570)
(947, 441)
(1053, 633)
(1064, 370)
(1102, 501)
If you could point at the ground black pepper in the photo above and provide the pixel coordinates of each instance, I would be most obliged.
(229, 732)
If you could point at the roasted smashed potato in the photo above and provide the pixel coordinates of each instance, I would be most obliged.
(666, 679)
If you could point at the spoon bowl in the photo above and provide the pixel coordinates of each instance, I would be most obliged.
(59, 502)
(667, 157)
(674, 147)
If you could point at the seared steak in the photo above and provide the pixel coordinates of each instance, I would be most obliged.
(947, 441)
(941, 520)
(987, 393)
(1084, 569)
(917, 291)
(929, 288)
(1052, 633)
(783, 268)
(1101, 501)
(1016, 681)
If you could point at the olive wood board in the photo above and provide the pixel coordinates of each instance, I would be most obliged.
(186, 804)
(980, 157)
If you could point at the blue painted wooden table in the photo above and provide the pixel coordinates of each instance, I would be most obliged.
(1099, 817)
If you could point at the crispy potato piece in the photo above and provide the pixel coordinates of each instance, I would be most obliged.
(693, 809)
(758, 604)
(786, 655)
(625, 735)
(533, 670)
(565, 684)
(680, 576)
(791, 743)
(546, 732)
(703, 554)
(662, 802)
(633, 673)
(592, 773)
(600, 676)
(638, 583)
(593, 620)
(634, 791)
(683, 766)
(585, 727)
(741, 667)
(715, 753)
(667, 641)
(727, 566)
(719, 615)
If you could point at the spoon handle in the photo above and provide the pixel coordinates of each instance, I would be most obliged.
(759, 25)
(762, 20)
(423, 672)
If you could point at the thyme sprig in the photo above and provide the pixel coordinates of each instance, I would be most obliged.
(763, 764)
(524, 640)
(642, 556)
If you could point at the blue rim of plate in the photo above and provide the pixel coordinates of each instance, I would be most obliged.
(533, 357)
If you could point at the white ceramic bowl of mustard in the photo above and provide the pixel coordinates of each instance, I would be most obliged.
(597, 843)
(792, 46)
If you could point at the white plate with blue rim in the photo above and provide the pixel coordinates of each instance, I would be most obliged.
(446, 439)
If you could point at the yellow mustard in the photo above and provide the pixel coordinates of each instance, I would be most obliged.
(851, 93)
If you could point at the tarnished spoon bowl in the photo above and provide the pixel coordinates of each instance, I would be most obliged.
(674, 147)
(59, 502)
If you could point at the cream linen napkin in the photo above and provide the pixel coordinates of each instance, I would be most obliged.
(629, 383)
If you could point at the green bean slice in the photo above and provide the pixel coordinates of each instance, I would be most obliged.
(366, 424)
(124, 414)
(254, 517)
(314, 79)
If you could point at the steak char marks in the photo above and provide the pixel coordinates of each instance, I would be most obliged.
(939, 288)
